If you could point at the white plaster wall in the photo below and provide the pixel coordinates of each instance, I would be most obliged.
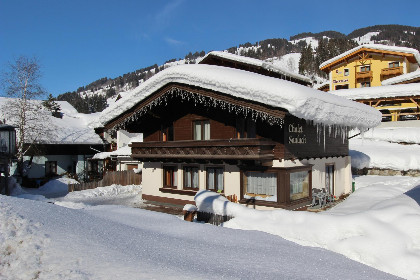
(123, 137)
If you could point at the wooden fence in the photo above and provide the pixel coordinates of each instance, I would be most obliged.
(122, 178)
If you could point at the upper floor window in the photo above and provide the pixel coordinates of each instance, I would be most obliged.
(365, 68)
(245, 128)
(394, 64)
(346, 72)
(201, 130)
(167, 132)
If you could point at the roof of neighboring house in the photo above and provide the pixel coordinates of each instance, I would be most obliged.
(300, 101)
(412, 54)
(403, 79)
(72, 128)
(255, 62)
(405, 90)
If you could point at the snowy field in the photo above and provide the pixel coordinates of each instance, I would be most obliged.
(83, 236)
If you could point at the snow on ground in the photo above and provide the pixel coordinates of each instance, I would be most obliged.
(382, 148)
(378, 225)
(46, 241)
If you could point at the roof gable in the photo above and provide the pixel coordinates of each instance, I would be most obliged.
(411, 54)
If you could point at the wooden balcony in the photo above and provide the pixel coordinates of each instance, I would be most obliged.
(364, 75)
(395, 71)
(207, 150)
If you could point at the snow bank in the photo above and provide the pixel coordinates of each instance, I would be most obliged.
(377, 225)
(300, 101)
(382, 154)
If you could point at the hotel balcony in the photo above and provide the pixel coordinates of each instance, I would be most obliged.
(364, 75)
(395, 71)
(207, 150)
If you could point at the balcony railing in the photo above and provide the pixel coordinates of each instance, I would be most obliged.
(392, 71)
(233, 149)
(364, 75)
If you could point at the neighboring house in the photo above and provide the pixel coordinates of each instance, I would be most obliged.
(396, 102)
(119, 159)
(266, 140)
(253, 65)
(369, 66)
(65, 148)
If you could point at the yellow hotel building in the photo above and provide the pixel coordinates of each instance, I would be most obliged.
(369, 65)
(356, 71)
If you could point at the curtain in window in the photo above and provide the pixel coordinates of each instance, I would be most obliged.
(197, 130)
(206, 130)
(219, 176)
(296, 181)
(210, 178)
(260, 183)
(194, 177)
(187, 178)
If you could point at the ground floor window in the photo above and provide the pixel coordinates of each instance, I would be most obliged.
(215, 180)
(50, 168)
(260, 185)
(190, 177)
(299, 185)
(169, 176)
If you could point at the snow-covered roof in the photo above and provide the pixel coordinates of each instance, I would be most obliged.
(259, 63)
(374, 47)
(402, 78)
(379, 92)
(72, 128)
(300, 101)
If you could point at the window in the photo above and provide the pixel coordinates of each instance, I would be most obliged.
(299, 185)
(245, 128)
(365, 84)
(337, 87)
(260, 186)
(167, 132)
(394, 64)
(50, 168)
(346, 72)
(201, 130)
(190, 177)
(169, 176)
(215, 179)
(365, 68)
(329, 178)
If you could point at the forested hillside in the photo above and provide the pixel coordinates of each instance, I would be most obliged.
(314, 48)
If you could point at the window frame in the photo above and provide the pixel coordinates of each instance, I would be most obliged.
(184, 187)
(203, 135)
(174, 176)
(393, 63)
(346, 72)
(283, 185)
(52, 172)
(215, 178)
(364, 83)
(363, 68)
(167, 132)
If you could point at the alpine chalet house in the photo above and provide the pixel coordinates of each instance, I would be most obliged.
(236, 132)
(369, 66)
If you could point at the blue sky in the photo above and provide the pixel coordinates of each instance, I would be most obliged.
(80, 41)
